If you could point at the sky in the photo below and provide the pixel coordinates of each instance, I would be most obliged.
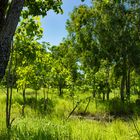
(54, 24)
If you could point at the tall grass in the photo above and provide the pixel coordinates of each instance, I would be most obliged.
(52, 124)
(44, 129)
(93, 130)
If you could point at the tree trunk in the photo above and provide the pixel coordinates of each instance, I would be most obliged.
(4, 55)
(107, 94)
(45, 99)
(9, 93)
(108, 90)
(24, 102)
(128, 85)
(72, 94)
(122, 88)
(7, 108)
(103, 96)
(124, 78)
(60, 91)
(94, 91)
(107, 82)
(8, 24)
(36, 99)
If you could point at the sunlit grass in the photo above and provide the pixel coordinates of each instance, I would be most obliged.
(54, 125)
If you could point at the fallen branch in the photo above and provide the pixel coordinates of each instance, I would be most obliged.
(73, 109)
(77, 106)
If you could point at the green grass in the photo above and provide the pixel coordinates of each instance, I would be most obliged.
(90, 130)
(52, 124)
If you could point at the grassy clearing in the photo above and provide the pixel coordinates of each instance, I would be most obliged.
(52, 124)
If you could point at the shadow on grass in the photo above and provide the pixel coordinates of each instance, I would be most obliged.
(119, 109)
(111, 110)
(41, 105)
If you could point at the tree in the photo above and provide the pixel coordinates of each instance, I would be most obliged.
(118, 23)
(10, 11)
(70, 60)
(108, 31)
(25, 55)
(81, 33)
(64, 65)
(59, 72)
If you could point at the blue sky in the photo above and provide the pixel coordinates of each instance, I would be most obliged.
(54, 24)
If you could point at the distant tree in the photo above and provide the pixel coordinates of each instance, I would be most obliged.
(59, 72)
(81, 32)
(108, 31)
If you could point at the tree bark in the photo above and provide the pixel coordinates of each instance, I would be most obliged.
(3, 9)
(8, 24)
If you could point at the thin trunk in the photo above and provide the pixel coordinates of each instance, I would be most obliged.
(7, 108)
(44, 92)
(36, 95)
(124, 78)
(94, 91)
(107, 94)
(60, 90)
(103, 96)
(9, 92)
(128, 85)
(122, 88)
(73, 88)
(12, 82)
(107, 82)
(45, 103)
(24, 102)
(10, 103)
(108, 90)
(35, 99)
(47, 93)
